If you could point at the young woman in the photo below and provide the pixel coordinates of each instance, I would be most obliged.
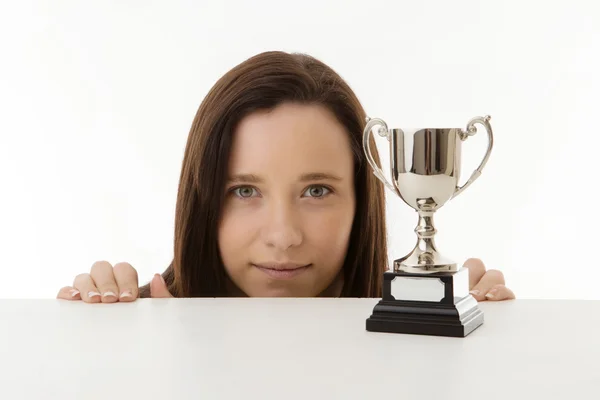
(275, 198)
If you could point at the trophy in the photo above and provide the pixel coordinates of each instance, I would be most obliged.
(426, 293)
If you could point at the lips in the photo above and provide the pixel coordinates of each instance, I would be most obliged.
(282, 271)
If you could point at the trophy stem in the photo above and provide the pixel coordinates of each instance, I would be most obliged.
(426, 231)
(425, 258)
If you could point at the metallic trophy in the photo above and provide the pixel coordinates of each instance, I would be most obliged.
(426, 293)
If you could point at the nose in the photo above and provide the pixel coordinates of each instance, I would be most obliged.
(281, 229)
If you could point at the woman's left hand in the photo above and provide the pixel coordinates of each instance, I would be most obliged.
(486, 285)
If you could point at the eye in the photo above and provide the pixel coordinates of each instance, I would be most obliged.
(243, 191)
(318, 191)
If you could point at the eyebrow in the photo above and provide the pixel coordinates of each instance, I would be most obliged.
(311, 176)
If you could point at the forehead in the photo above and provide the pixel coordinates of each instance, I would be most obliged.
(297, 137)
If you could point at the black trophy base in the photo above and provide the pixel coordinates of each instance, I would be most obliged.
(422, 319)
(454, 314)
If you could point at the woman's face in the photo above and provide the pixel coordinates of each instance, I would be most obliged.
(289, 203)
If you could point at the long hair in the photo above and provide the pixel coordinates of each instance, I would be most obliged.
(262, 82)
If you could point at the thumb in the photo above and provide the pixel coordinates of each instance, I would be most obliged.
(158, 287)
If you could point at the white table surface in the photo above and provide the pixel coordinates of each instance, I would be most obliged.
(291, 349)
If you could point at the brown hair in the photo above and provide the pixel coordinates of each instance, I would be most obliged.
(261, 83)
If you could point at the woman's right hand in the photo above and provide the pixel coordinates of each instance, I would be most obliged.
(108, 284)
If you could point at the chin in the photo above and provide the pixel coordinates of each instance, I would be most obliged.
(269, 289)
(279, 292)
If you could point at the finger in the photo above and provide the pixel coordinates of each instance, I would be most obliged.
(158, 287)
(490, 278)
(87, 289)
(499, 292)
(476, 271)
(102, 274)
(127, 281)
(68, 293)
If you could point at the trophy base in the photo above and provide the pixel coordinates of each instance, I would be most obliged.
(437, 304)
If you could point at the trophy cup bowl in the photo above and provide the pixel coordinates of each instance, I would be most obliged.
(426, 293)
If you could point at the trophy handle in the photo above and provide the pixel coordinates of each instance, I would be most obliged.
(383, 132)
(470, 131)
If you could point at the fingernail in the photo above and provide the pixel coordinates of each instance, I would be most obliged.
(126, 293)
(93, 294)
(161, 278)
(107, 294)
(491, 294)
(74, 292)
(475, 292)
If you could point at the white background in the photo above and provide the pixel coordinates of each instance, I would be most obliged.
(96, 100)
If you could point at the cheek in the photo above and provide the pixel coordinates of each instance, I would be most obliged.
(237, 231)
(329, 231)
